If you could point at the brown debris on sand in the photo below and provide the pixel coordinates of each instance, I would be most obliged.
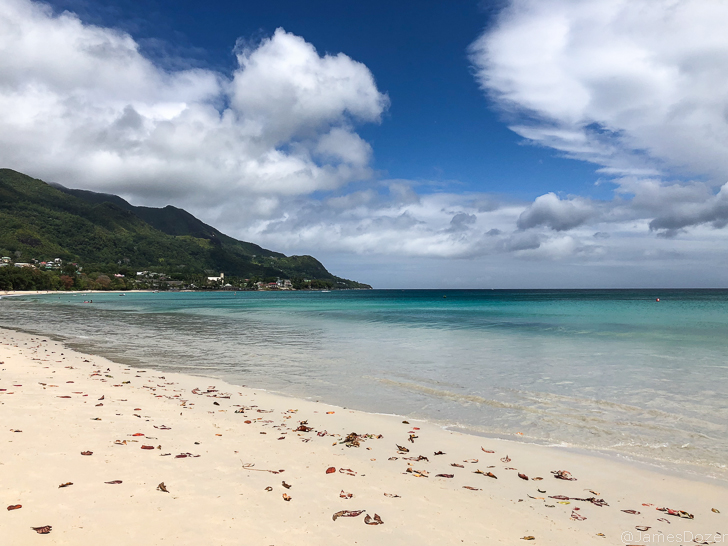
(418, 458)
(14, 507)
(678, 513)
(563, 475)
(44, 530)
(347, 514)
(373, 521)
(576, 516)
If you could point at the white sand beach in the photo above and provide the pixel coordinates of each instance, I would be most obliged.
(244, 466)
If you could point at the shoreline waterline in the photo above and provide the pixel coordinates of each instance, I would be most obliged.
(525, 370)
(668, 468)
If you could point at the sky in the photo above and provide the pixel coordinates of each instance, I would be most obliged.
(468, 144)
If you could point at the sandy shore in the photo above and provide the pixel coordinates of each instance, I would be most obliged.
(242, 466)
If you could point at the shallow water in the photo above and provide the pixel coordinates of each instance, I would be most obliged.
(612, 370)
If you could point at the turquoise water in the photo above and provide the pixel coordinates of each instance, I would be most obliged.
(612, 370)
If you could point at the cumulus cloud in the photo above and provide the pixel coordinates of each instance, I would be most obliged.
(636, 86)
(462, 220)
(558, 214)
(82, 106)
(712, 211)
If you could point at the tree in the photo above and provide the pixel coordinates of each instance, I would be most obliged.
(104, 281)
(66, 282)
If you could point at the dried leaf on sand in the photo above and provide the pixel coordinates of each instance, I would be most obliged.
(347, 514)
(678, 513)
(373, 521)
(563, 475)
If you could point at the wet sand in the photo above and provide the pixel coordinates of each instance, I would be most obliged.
(230, 456)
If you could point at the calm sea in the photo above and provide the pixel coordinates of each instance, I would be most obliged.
(612, 370)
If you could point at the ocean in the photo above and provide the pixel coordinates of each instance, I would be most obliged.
(609, 370)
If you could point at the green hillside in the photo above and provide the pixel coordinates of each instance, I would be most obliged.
(103, 232)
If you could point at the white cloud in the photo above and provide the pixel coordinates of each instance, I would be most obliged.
(558, 214)
(713, 210)
(82, 106)
(635, 86)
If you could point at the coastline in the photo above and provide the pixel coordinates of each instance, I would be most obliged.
(214, 498)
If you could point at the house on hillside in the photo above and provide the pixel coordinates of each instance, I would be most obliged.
(221, 278)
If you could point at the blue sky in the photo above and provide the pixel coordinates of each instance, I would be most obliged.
(513, 143)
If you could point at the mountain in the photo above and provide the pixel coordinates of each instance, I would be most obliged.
(103, 232)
